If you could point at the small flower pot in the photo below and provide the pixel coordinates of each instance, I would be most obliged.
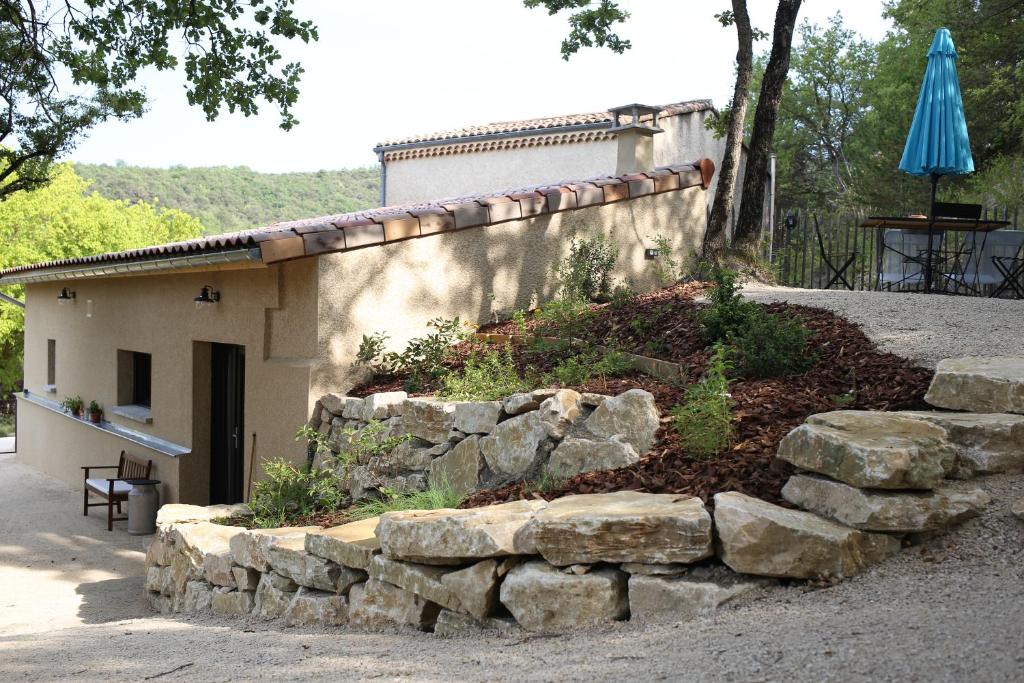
(96, 417)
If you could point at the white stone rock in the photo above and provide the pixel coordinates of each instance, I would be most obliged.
(333, 403)
(757, 537)
(231, 603)
(271, 600)
(312, 607)
(986, 443)
(428, 419)
(198, 597)
(251, 548)
(632, 414)
(288, 556)
(477, 417)
(592, 400)
(982, 385)
(626, 526)
(890, 511)
(217, 568)
(541, 598)
(352, 545)
(459, 468)
(578, 454)
(180, 513)
(871, 449)
(517, 404)
(454, 536)
(155, 578)
(383, 405)
(511, 450)
(376, 603)
(246, 579)
(654, 598)
(559, 412)
(157, 552)
(472, 590)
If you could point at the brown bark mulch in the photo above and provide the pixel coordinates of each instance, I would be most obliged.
(847, 363)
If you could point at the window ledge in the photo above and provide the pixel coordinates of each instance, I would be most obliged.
(50, 388)
(135, 413)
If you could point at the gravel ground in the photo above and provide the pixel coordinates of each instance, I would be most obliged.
(951, 609)
(924, 328)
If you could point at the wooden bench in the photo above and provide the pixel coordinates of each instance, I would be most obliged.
(113, 490)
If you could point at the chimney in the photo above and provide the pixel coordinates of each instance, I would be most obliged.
(636, 143)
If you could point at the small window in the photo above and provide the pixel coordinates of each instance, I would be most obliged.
(134, 378)
(51, 364)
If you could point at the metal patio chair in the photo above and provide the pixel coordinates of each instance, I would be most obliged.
(844, 259)
(1007, 262)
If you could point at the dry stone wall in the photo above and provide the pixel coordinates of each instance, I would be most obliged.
(482, 444)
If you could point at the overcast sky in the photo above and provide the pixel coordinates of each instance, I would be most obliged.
(392, 68)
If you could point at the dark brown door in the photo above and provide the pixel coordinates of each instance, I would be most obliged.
(227, 427)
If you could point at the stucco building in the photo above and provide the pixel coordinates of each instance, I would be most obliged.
(208, 354)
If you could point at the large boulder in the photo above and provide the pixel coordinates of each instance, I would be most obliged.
(982, 385)
(352, 545)
(892, 511)
(542, 598)
(513, 448)
(517, 404)
(871, 449)
(460, 467)
(428, 419)
(986, 443)
(697, 593)
(376, 603)
(757, 537)
(578, 454)
(479, 417)
(633, 414)
(559, 412)
(252, 548)
(454, 536)
(625, 526)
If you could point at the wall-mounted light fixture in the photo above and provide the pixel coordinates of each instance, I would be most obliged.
(207, 296)
(66, 296)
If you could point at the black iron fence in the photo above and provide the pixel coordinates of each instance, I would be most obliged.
(801, 259)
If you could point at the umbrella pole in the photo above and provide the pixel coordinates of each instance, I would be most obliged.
(931, 230)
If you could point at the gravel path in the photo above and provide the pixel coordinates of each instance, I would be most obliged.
(924, 328)
(951, 609)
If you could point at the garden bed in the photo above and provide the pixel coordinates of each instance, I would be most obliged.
(848, 371)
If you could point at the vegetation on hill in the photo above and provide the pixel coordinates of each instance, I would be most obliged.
(226, 199)
(64, 219)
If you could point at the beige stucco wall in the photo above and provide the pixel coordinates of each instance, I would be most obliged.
(271, 311)
(684, 139)
(472, 273)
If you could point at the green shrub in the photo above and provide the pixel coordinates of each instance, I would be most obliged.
(519, 320)
(585, 274)
(760, 344)
(423, 357)
(704, 420)
(288, 493)
(623, 296)
(666, 269)
(434, 498)
(577, 369)
(486, 377)
(563, 318)
(359, 445)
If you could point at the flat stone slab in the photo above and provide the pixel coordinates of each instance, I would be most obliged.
(577, 454)
(759, 538)
(352, 545)
(890, 511)
(981, 385)
(695, 594)
(625, 526)
(312, 607)
(542, 598)
(252, 548)
(454, 536)
(376, 603)
(288, 556)
(986, 443)
(871, 449)
(179, 513)
(472, 590)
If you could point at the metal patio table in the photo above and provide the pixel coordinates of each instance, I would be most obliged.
(922, 224)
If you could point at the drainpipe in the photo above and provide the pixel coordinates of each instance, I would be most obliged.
(771, 206)
(383, 177)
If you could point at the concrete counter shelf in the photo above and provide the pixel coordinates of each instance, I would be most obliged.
(146, 440)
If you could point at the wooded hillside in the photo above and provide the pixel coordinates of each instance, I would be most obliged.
(226, 199)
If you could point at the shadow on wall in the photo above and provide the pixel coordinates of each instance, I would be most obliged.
(476, 272)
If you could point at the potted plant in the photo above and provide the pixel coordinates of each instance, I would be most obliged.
(72, 405)
(95, 412)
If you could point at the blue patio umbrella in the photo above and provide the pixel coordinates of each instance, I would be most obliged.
(938, 144)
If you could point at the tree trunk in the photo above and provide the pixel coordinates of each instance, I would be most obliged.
(715, 237)
(749, 223)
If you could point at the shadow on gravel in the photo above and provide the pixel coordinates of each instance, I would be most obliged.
(112, 600)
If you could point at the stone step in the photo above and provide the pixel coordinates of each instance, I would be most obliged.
(888, 511)
(985, 443)
(982, 385)
(871, 449)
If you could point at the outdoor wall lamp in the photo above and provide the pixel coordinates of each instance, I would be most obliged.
(66, 296)
(207, 296)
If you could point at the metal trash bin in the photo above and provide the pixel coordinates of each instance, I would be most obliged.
(143, 502)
